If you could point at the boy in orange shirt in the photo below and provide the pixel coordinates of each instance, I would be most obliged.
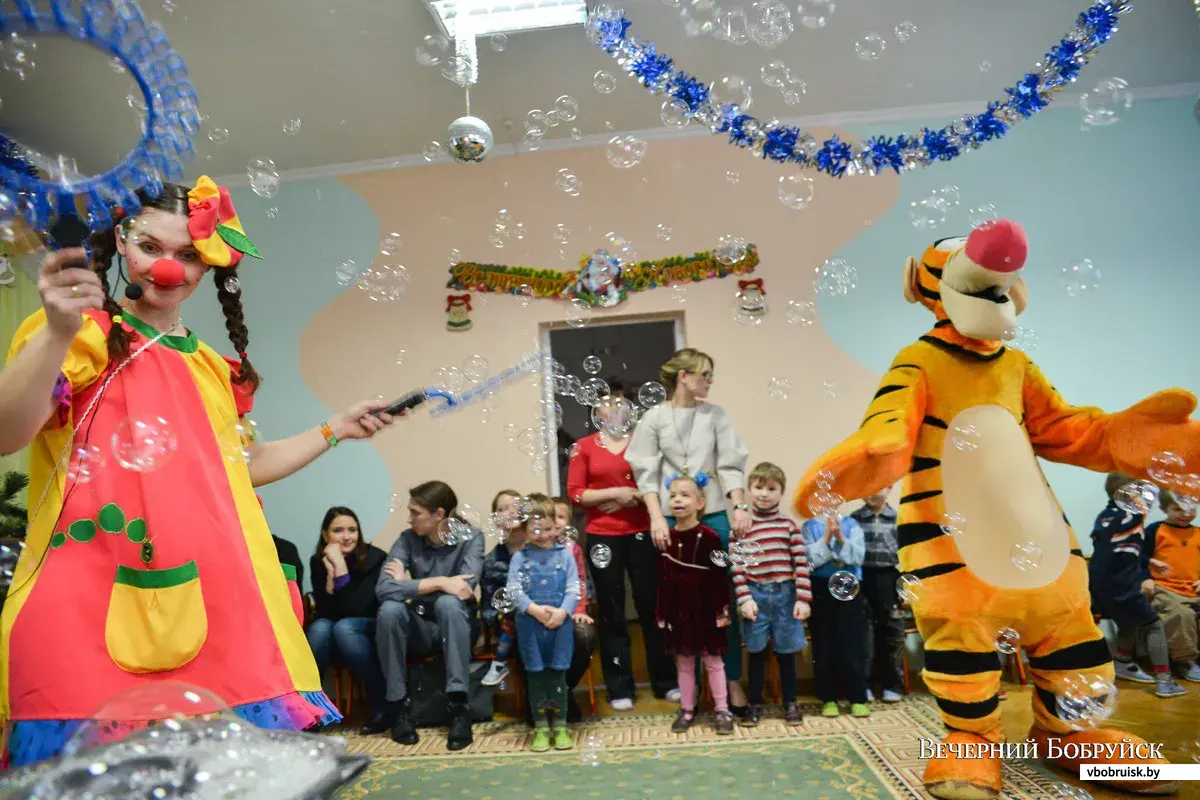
(1171, 564)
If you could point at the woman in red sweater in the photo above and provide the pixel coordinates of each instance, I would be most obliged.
(601, 480)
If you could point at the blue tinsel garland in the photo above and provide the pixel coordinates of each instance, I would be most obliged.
(609, 29)
(172, 117)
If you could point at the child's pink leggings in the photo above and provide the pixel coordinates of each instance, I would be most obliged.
(685, 667)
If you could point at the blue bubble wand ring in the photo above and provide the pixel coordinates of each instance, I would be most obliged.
(172, 115)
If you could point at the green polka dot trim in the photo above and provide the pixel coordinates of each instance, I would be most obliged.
(135, 531)
(111, 518)
(58, 540)
(82, 530)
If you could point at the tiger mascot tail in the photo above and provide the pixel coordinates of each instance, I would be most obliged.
(962, 420)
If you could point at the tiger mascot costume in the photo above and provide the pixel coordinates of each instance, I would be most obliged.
(961, 418)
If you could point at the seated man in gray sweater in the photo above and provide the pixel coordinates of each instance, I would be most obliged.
(426, 592)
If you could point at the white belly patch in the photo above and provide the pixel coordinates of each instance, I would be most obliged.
(1000, 491)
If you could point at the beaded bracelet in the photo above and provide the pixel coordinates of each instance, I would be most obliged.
(327, 432)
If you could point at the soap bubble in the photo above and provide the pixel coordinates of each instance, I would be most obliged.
(346, 273)
(143, 444)
(625, 151)
(292, 126)
(475, 368)
(965, 438)
(730, 249)
(908, 588)
(604, 82)
(843, 585)
(1137, 497)
(237, 440)
(835, 278)
(567, 108)
(503, 601)
(778, 388)
(614, 415)
(825, 480)
(1085, 701)
(801, 313)
(795, 191)
(591, 751)
(1080, 277)
(264, 177)
(1106, 103)
(1166, 467)
(579, 311)
(1007, 641)
(905, 30)
(592, 364)
(1025, 556)
(675, 113)
(719, 558)
(134, 709)
(814, 14)
(870, 47)
(651, 394)
(601, 555)
(953, 523)
(86, 462)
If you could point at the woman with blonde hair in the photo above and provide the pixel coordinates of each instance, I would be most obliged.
(686, 436)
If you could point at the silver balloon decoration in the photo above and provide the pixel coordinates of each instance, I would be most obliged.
(469, 140)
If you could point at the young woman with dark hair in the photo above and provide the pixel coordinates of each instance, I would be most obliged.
(345, 570)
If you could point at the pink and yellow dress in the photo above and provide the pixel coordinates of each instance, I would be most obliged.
(132, 576)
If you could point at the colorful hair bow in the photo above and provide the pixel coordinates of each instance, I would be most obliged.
(755, 283)
(213, 223)
(700, 479)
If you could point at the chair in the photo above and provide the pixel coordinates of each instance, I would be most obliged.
(345, 687)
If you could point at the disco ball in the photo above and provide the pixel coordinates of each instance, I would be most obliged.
(468, 139)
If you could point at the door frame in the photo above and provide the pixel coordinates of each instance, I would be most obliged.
(544, 331)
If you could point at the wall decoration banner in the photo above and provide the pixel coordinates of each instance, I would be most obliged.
(601, 280)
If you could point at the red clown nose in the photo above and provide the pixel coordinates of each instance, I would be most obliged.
(166, 272)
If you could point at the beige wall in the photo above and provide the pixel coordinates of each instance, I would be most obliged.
(349, 348)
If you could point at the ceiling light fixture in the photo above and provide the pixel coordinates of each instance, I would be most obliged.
(515, 16)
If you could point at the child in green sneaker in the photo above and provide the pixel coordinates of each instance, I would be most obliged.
(543, 579)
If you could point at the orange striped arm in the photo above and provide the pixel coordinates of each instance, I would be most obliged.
(879, 452)
(1061, 432)
(1085, 436)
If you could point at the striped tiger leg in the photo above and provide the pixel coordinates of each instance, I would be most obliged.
(1060, 647)
(962, 672)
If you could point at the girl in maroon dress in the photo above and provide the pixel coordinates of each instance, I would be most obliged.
(693, 601)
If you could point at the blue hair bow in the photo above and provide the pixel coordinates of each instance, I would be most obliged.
(701, 479)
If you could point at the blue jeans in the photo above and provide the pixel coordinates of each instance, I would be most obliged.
(349, 642)
(719, 522)
(776, 602)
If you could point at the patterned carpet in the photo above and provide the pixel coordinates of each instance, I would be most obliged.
(833, 759)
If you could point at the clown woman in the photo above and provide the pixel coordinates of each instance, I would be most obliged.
(155, 566)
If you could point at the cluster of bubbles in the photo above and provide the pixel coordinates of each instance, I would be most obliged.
(778, 75)
(18, 54)
(385, 279)
(538, 122)
(138, 444)
(197, 748)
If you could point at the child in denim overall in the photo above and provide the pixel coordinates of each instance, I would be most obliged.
(544, 581)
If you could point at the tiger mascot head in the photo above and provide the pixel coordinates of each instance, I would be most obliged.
(974, 281)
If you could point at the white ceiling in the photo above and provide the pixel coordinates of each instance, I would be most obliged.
(347, 69)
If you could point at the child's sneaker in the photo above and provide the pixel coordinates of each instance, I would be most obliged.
(497, 672)
(1001, 695)
(1190, 671)
(791, 714)
(724, 723)
(890, 696)
(541, 740)
(1132, 671)
(870, 696)
(622, 704)
(860, 710)
(830, 709)
(562, 739)
(682, 722)
(673, 696)
(1166, 686)
(753, 716)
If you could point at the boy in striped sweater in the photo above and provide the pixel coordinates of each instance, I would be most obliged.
(772, 588)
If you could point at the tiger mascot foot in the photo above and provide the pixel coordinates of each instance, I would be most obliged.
(1097, 738)
(956, 778)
